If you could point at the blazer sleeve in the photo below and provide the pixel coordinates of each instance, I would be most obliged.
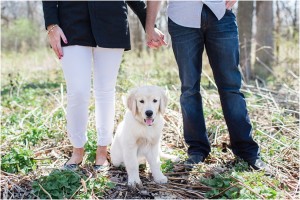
(50, 9)
(139, 8)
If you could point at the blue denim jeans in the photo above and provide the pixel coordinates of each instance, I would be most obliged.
(220, 39)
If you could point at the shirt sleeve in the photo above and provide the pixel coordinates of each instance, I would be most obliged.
(50, 9)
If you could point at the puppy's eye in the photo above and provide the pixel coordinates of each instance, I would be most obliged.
(154, 100)
(142, 101)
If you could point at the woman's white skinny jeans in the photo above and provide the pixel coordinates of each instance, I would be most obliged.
(77, 65)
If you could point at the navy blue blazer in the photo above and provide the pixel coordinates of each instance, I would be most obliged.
(94, 23)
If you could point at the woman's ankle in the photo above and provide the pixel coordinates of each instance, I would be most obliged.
(101, 151)
(101, 155)
(78, 151)
(77, 156)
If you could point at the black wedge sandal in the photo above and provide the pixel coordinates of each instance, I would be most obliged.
(72, 167)
(101, 168)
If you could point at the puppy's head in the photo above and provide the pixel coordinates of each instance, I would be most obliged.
(146, 103)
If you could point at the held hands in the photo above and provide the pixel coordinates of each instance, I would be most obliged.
(55, 34)
(155, 38)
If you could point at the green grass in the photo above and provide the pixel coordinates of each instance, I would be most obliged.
(33, 99)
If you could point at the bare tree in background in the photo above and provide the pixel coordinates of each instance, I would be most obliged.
(14, 10)
(162, 21)
(296, 19)
(244, 18)
(278, 26)
(287, 15)
(264, 38)
(30, 9)
(137, 33)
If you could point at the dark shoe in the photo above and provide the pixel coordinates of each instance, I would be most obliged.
(257, 164)
(260, 165)
(101, 168)
(193, 160)
(72, 167)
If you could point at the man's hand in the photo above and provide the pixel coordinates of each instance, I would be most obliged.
(229, 4)
(155, 38)
(55, 35)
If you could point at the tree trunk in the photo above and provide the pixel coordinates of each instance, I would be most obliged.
(136, 33)
(295, 20)
(138, 37)
(278, 26)
(244, 18)
(264, 38)
(30, 9)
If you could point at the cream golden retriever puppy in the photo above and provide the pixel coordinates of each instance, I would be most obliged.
(138, 135)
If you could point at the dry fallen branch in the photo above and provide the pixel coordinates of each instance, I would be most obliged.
(247, 187)
(223, 191)
(187, 192)
(45, 191)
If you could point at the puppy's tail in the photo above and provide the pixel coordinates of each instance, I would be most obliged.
(124, 101)
(169, 157)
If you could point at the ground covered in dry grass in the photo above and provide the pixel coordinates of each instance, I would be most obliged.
(34, 143)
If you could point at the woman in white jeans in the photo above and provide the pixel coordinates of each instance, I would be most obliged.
(77, 63)
(90, 36)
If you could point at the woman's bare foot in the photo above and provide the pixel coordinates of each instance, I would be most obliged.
(101, 156)
(77, 156)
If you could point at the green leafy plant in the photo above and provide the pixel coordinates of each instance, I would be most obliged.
(95, 187)
(59, 184)
(19, 159)
(33, 136)
(220, 183)
(90, 150)
(167, 166)
(240, 185)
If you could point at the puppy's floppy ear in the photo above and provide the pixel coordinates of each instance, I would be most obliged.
(163, 102)
(131, 101)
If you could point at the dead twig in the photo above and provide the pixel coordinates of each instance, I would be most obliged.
(223, 191)
(250, 189)
(83, 183)
(45, 191)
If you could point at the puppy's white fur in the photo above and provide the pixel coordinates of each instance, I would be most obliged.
(138, 135)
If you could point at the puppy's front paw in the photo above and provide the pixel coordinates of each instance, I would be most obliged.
(161, 179)
(135, 183)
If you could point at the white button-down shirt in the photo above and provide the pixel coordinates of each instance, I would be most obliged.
(188, 13)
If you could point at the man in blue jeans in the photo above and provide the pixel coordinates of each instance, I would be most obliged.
(194, 25)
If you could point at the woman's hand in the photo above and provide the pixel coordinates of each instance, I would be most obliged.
(155, 38)
(55, 34)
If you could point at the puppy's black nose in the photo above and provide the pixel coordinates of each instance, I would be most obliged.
(149, 113)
